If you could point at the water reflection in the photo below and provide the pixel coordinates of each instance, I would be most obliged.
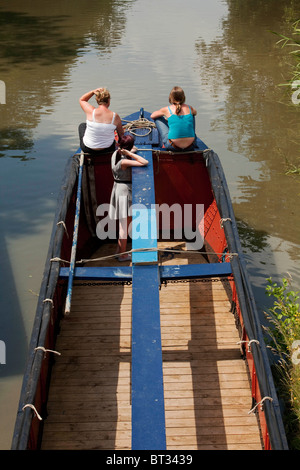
(241, 70)
(253, 241)
(39, 46)
(43, 40)
(16, 139)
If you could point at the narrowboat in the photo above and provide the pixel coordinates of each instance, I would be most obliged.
(164, 351)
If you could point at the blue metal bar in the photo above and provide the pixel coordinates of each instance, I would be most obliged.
(75, 236)
(190, 271)
(124, 273)
(107, 273)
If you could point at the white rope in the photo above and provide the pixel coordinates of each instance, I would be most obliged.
(230, 255)
(59, 260)
(171, 152)
(253, 341)
(49, 300)
(167, 250)
(141, 123)
(65, 227)
(260, 403)
(224, 220)
(249, 343)
(47, 350)
(34, 409)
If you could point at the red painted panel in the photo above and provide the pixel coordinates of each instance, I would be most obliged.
(181, 179)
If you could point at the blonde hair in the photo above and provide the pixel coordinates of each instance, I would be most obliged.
(102, 96)
(177, 97)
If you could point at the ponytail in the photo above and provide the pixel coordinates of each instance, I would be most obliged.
(178, 107)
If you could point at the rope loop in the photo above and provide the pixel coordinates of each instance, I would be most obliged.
(260, 403)
(249, 343)
(49, 300)
(29, 405)
(224, 220)
(231, 255)
(64, 226)
(47, 350)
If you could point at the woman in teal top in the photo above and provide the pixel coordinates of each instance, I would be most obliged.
(176, 123)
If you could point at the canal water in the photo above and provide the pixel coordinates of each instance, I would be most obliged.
(224, 55)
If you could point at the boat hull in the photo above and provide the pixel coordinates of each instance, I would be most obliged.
(193, 180)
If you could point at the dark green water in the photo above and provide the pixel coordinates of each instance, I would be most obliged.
(224, 56)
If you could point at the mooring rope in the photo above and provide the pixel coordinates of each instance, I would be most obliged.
(141, 123)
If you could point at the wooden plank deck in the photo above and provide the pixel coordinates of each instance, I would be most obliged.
(207, 393)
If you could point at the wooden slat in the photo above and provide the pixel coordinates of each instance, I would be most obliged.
(89, 400)
(207, 393)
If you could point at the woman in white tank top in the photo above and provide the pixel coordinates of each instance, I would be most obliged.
(97, 134)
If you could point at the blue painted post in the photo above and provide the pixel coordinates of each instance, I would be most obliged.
(148, 413)
(75, 236)
(144, 230)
